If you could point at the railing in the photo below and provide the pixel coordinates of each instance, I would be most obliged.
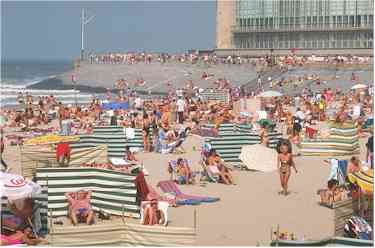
(255, 29)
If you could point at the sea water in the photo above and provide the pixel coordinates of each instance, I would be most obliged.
(17, 75)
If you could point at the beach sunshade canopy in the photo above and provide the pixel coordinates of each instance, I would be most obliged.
(258, 157)
(359, 86)
(270, 93)
(51, 139)
(115, 105)
(364, 179)
(17, 187)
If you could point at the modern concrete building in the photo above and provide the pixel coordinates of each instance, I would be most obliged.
(326, 26)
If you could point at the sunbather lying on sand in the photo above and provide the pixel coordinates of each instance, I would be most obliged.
(153, 215)
(79, 207)
(217, 166)
(332, 194)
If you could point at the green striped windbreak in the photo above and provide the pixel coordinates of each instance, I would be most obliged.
(112, 192)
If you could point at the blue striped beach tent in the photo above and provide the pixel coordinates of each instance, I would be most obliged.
(113, 192)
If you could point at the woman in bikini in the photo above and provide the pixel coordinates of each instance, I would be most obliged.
(264, 140)
(285, 161)
(146, 132)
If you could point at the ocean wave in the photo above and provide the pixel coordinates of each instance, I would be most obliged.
(23, 83)
(15, 103)
(58, 96)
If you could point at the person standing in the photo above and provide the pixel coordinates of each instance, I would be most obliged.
(180, 109)
(370, 150)
(284, 164)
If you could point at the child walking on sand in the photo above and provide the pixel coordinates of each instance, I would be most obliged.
(284, 162)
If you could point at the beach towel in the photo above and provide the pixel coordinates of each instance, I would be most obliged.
(171, 187)
(152, 194)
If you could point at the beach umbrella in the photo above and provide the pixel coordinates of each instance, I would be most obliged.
(364, 179)
(50, 139)
(270, 93)
(17, 187)
(359, 86)
(259, 157)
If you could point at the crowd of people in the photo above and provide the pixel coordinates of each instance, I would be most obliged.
(165, 122)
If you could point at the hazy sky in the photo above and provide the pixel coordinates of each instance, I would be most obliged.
(51, 29)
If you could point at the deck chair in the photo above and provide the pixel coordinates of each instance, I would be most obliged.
(162, 205)
(338, 170)
(171, 187)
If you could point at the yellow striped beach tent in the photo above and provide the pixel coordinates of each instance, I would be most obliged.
(45, 156)
(50, 139)
(364, 179)
(113, 192)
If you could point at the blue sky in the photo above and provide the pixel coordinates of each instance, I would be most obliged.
(51, 29)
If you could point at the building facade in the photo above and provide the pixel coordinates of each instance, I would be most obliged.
(296, 24)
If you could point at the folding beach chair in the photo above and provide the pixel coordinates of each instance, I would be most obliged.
(338, 171)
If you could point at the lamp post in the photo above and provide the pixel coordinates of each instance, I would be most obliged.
(84, 21)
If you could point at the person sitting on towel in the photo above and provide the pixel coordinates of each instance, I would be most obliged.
(152, 214)
(80, 207)
(216, 166)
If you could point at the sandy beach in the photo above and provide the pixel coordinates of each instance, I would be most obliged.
(246, 212)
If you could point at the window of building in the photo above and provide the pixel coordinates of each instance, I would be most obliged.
(346, 21)
(321, 21)
(315, 21)
(339, 21)
(351, 21)
(326, 21)
(308, 21)
(364, 18)
(358, 21)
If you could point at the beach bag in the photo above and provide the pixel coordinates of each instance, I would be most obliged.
(357, 227)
